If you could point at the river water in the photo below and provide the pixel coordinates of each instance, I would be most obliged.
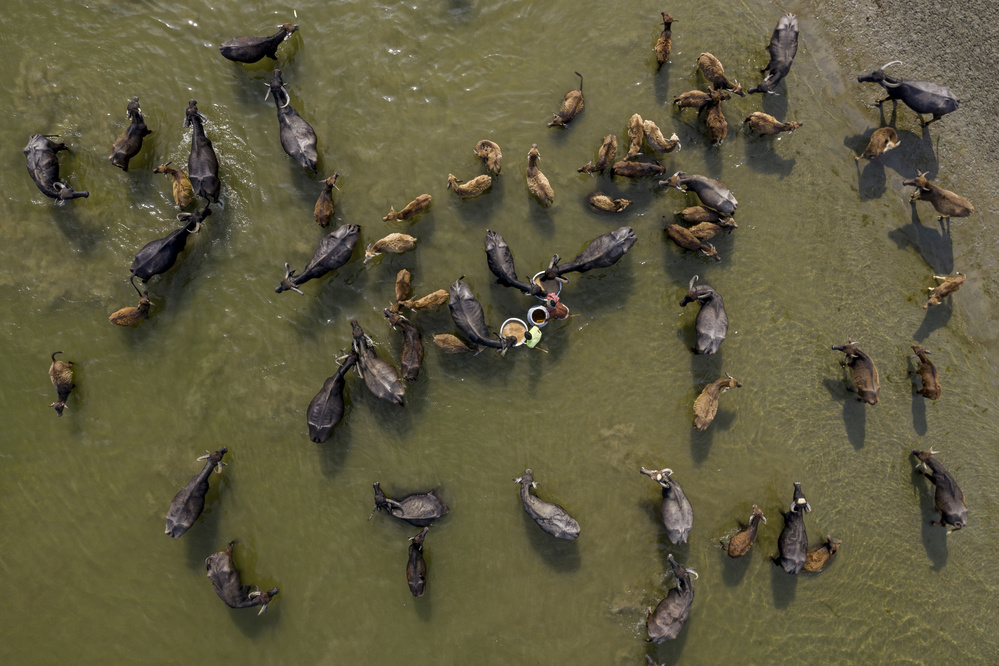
(827, 249)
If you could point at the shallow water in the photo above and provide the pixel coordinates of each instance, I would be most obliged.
(399, 94)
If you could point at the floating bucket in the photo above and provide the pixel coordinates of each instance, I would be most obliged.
(514, 328)
(538, 316)
(550, 286)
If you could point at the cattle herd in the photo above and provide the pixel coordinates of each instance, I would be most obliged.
(715, 215)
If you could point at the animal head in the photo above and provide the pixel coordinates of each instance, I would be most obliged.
(879, 76)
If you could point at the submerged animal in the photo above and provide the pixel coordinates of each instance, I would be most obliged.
(416, 566)
(472, 188)
(929, 380)
(451, 344)
(743, 540)
(602, 252)
(189, 502)
(882, 140)
(396, 243)
(766, 124)
(864, 379)
(713, 71)
(202, 164)
(712, 320)
(817, 558)
(711, 192)
(415, 207)
(605, 156)
(716, 123)
(550, 517)
(469, 317)
(411, 355)
(636, 135)
(920, 96)
(793, 541)
(332, 252)
(183, 191)
(537, 182)
(129, 316)
(947, 497)
(297, 136)
(783, 47)
(379, 375)
(253, 49)
(688, 241)
(675, 510)
(129, 143)
(61, 374)
(696, 99)
(667, 619)
(324, 204)
(655, 140)
(705, 214)
(421, 509)
(944, 289)
(160, 255)
(43, 166)
(326, 409)
(572, 104)
(706, 405)
(489, 152)
(664, 45)
(601, 202)
(227, 584)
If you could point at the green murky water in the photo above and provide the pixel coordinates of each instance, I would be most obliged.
(399, 93)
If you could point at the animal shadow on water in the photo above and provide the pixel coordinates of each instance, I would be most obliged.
(734, 568)
(784, 586)
(918, 404)
(933, 243)
(79, 236)
(762, 157)
(203, 538)
(935, 317)
(934, 536)
(562, 555)
(660, 85)
(854, 412)
(333, 452)
(776, 104)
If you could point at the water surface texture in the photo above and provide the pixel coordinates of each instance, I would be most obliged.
(399, 93)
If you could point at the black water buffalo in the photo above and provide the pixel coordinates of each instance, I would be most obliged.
(188, 504)
(411, 355)
(676, 513)
(602, 252)
(864, 379)
(416, 566)
(129, 143)
(252, 49)
(202, 165)
(421, 509)
(229, 587)
(332, 252)
(549, 516)
(783, 46)
(379, 375)
(468, 316)
(297, 136)
(326, 409)
(667, 619)
(159, 256)
(500, 261)
(712, 320)
(43, 165)
(920, 96)
(948, 497)
(793, 542)
(711, 192)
